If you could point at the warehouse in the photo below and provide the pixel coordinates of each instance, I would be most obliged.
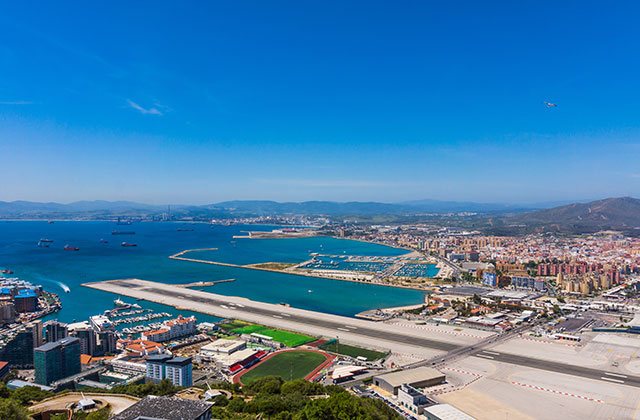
(419, 378)
(445, 412)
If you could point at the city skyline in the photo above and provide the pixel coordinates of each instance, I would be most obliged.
(345, 102)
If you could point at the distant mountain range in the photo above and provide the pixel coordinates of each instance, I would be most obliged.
(622, 213)
(25, 208)
(611, 213)
(333, 208)
(248, 208)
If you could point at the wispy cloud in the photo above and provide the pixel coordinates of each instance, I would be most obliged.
(146, 111)
(16, 103)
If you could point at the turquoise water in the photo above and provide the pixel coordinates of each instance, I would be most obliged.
(95, 261)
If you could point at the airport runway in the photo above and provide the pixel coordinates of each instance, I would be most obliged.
(573, 370)
(264, 313)
(319, 324)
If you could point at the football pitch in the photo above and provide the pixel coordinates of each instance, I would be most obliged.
(288, 365)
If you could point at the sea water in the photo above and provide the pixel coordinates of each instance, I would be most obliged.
(55, 269)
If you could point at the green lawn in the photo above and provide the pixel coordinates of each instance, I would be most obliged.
(335, 347)
(288, 338)
(248, 329)
(234, 324)
(288, 365)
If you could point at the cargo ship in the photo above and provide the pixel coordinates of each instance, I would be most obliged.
(122, 232)
(127, 244)
(43, 244)
(46, 240)
(6, 271)
(71, 248)
(104, 241)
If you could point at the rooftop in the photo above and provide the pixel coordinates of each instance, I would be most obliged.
(181, 361)
(167, 408)
(53, 345)
(18, 383)
(410, 376)
(447, 412)
(159, 358)
(222, 344)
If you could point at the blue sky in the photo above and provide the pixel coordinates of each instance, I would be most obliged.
(198, 102)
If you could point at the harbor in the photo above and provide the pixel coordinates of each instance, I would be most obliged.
(411, 270)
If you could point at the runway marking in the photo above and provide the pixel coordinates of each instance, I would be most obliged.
(351, 326)
(343, 329)
(491, 352)
(618, 381)
(477, 375)
(550, 342)
(277, 316)
(484, 356)
(568, 394)
(440, 330)
(616, 375)
(283, 314)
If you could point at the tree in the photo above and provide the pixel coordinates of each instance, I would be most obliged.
(4, 391)
(220, 401)
(11, 409)
(302, 387)
(346, 406)
(102, 414)
(27, 394)
(236, 405)
(165, 387)
(468, 277)
(269, 404)
(266, 385)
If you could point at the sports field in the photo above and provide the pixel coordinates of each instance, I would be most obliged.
(288, 365)
(288, 338)
(335, 347)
